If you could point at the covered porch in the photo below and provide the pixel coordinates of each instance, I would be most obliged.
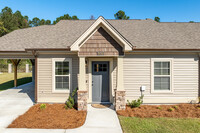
(101, 81)
(15, 58)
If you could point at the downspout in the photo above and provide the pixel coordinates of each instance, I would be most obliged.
(199, 77)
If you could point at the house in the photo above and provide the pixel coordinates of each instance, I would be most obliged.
(110, 60)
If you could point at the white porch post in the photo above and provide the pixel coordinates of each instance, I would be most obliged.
(120, 103)
(82, 85)
(82, 92)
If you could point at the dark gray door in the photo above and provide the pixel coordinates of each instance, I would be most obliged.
(100, 81)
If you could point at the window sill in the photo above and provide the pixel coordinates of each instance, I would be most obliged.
(61, 91)
(162, 92)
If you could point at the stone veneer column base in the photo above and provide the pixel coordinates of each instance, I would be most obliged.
(120, 103)
(82, 100)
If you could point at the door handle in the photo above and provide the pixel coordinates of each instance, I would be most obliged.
(92, 83)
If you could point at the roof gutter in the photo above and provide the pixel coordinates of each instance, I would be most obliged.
(165, 50)
(49, 49)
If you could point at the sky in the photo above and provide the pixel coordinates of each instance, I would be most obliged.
(167, 10)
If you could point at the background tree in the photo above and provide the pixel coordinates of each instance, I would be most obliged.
(35, 21)
(21, 20)
(121, 15)
(157, 19)
(92, 17)
(191, 21)
(65, 17)
(3, 30)
(8, 19)
(48, 22)
(42, 22)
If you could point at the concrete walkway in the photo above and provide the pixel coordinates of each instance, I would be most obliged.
(16, 101)
(103, 120)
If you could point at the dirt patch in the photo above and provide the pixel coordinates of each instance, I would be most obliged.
(55, 116)
(155, 111)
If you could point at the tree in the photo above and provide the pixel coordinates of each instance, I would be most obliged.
(48, 22)
(35, 21)
(74, 17)
(3, 30)
(65, 17)
(191, 21)
(157, 19)
(92, 17)
(121, 15)
(42, 22)
(9, 22)
(21, 20)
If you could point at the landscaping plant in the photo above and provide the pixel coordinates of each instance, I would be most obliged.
(159, 108)
(43, 106)
(69, 104)
(136, 103)
(170, 109)
(176, 107)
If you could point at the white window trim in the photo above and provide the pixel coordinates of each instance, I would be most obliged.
(53, 75)
(171, 75)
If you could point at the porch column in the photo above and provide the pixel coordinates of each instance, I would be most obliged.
(120, 103)
(33, 69)
(82, 92)
(15, 64)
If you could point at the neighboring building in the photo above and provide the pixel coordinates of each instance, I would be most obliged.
(110, 60)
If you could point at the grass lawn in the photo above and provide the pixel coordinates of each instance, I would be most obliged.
(159, 125)
(7, 80)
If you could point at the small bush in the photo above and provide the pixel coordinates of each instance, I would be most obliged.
(69, 104)
(176, 107)
(159, 108)
(170, 109)
(43, 106)
(136, 103)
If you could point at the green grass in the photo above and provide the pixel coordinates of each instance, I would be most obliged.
(7, 80)
(159, 125)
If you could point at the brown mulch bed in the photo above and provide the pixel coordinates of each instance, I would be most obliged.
(155, 111)
(55, 116)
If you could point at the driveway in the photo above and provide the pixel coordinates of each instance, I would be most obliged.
(16, 101)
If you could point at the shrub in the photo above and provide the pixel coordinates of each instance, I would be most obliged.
(170, 109)
(69, 104)
(176, 107)
(159, 108)
(43, 106)
(136, 103)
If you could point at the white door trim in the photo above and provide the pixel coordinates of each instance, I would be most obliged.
(110, 60)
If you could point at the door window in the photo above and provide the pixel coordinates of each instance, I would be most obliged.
(100, 67)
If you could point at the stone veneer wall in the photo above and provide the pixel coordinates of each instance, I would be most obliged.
(82, 100)
(120, 103)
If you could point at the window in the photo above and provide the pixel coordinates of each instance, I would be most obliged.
(61, 74)
(100, 67)
(161, 75)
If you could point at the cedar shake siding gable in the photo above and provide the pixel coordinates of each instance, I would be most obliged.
(102, 44)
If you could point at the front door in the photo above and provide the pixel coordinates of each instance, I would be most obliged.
(100, 81)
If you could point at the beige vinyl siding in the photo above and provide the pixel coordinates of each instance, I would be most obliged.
(45, 87)
(137, 72)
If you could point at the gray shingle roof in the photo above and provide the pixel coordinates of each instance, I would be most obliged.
(145, 34)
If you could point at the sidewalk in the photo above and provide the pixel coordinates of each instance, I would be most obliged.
(98, 121)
